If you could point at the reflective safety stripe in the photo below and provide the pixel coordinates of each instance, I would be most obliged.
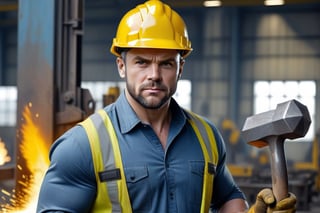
(112, 196)
(112, 192)
(123, 195)
(209, 147)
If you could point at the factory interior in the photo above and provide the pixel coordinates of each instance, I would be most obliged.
(248, 57)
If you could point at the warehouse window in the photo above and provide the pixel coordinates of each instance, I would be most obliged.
(99, 88)
(8, 105)
(267, 94)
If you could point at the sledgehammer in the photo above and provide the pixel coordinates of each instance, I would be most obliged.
(289, 120)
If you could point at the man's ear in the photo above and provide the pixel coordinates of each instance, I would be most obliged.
(121, 67)
(181, 68)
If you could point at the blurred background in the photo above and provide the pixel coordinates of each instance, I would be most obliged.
(248, 56)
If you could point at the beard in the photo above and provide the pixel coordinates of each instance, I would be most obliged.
(143, 101)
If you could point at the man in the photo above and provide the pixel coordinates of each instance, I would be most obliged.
(144, 153)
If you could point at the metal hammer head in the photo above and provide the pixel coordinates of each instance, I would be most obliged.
(289, 120)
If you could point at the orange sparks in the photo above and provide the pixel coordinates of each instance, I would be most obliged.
(35, 151)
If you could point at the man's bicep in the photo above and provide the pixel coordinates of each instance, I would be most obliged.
(225, 189)
(59, 195)
(69, 184)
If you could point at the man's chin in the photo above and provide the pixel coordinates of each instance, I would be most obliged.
(152, 103)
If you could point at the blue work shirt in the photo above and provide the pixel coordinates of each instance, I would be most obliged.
(159, 180)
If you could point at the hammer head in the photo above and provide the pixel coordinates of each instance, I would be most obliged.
(289, 120)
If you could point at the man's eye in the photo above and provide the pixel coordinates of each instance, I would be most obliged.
(167, 64)
(141, 62)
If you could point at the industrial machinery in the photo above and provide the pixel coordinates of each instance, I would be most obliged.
(50, 98)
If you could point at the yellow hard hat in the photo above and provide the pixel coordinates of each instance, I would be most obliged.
(152, 25)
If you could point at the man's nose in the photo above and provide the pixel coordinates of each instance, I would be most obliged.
(154, 72)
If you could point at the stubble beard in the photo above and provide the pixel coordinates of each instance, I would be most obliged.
(143, 101)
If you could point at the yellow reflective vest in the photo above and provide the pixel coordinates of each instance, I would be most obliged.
(112, 195)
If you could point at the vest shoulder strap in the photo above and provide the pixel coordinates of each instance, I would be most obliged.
(112, 193)
(208, 144)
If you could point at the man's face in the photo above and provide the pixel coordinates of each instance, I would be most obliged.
(151, 75)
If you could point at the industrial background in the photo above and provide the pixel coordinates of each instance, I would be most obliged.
(56, 69)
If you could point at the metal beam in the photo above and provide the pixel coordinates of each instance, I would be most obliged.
(49, 68)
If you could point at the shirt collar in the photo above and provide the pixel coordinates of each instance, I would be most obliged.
(130, 120)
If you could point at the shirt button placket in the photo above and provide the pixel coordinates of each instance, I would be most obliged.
(171, 189)
(171, 196)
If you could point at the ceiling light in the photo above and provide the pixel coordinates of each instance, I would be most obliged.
(273, 2)
(212, 3)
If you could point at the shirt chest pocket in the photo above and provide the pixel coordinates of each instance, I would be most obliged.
(138, 184)
(196, 173)
(196, 168)
(136, 174)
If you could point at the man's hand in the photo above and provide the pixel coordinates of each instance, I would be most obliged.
(266, 203)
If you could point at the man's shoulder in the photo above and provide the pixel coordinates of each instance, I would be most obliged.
(73, 139)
